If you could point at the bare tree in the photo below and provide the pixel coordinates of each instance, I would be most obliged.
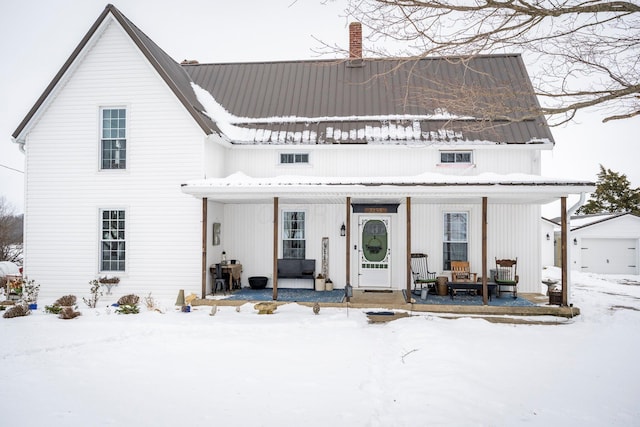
(10, 233)
(582, 53)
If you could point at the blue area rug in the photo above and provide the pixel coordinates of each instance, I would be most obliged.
(288, 295)
(465, 299)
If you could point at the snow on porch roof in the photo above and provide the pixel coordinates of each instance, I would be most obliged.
(519, 188)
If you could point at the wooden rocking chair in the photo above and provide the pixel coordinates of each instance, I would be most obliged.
(421, 275)
(460, 272)
(506, 275)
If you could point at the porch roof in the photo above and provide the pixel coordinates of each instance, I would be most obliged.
(424, 188)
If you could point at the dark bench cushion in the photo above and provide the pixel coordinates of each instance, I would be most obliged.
(296, 268)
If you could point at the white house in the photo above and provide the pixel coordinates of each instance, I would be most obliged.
(131, 158)
(604, 243)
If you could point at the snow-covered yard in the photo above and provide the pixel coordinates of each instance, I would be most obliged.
(333, 369)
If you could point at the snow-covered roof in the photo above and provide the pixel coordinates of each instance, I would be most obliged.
(512, 187)
(391, 101)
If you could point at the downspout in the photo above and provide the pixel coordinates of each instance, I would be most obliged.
(570, 212)
(20, 144)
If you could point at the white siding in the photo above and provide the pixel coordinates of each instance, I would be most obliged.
(374, 160)
(509, 235)
(621, 229)
(65, 188)
(248, 237)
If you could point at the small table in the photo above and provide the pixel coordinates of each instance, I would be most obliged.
(233, 270)
(476, 286)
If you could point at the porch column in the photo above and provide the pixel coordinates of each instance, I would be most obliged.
(485, 294)
(204, 247)
(408, 255)
(275, 248)
(348, 244)
(563, 247)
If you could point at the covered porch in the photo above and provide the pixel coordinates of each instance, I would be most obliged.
(491, 200)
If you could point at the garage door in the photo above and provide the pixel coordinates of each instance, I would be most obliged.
(610, 256)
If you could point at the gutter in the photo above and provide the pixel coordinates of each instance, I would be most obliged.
(570, 212)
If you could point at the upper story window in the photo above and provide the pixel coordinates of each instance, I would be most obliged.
(113, 138)
(454, 238)
(293, 234)
(291, 158)
(112, 241)
(455, 157)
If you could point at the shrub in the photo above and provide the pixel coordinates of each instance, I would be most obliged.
(53, 309)
(68, 313)
(127, 309)
(130, 299)
(17, 310)
(66, 301)
(96, 293)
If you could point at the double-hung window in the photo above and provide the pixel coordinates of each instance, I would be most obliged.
(454, 240)
(113, 138)
(112, 241)
(293, 234)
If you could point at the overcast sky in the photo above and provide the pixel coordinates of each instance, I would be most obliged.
(37, 36)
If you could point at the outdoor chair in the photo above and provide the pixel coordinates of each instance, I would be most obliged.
(421, 275)
(218, 280)
(460, 272)
(506, 275)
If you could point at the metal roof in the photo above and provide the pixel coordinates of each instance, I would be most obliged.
(431, 99)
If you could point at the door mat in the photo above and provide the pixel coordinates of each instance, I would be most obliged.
(379, 291)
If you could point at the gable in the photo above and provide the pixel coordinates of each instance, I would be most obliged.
(170, 71)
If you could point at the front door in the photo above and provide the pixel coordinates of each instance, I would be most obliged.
(374, 267)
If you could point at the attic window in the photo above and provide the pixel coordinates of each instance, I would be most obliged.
(455, 157)
(291, 158)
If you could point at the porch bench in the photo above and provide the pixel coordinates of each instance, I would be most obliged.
(297, 269)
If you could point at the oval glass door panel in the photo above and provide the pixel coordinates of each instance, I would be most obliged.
(374, 241)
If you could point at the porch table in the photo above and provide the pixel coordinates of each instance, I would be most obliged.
(476, 286)
(234, 271)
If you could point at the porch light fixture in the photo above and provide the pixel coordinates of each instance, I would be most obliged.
(575, 241)
(343, 230)
(548, 237)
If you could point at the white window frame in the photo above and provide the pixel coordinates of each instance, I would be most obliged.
(119, 240)
(298, 157)
(300, 235)
(449, 238)
(120, 137)
(456, 154)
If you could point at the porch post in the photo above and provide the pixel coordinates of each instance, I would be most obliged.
(563, 247)
(408, 255)
(275, 248)
(204, 247)
(348, 244)
(485, 294)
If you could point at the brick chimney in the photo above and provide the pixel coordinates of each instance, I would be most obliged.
(355, 40)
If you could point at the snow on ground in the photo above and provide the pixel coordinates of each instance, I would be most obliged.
(296, 368)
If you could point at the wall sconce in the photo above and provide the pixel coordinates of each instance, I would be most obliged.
(575, 241)
(548, 237)
(343, 230)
